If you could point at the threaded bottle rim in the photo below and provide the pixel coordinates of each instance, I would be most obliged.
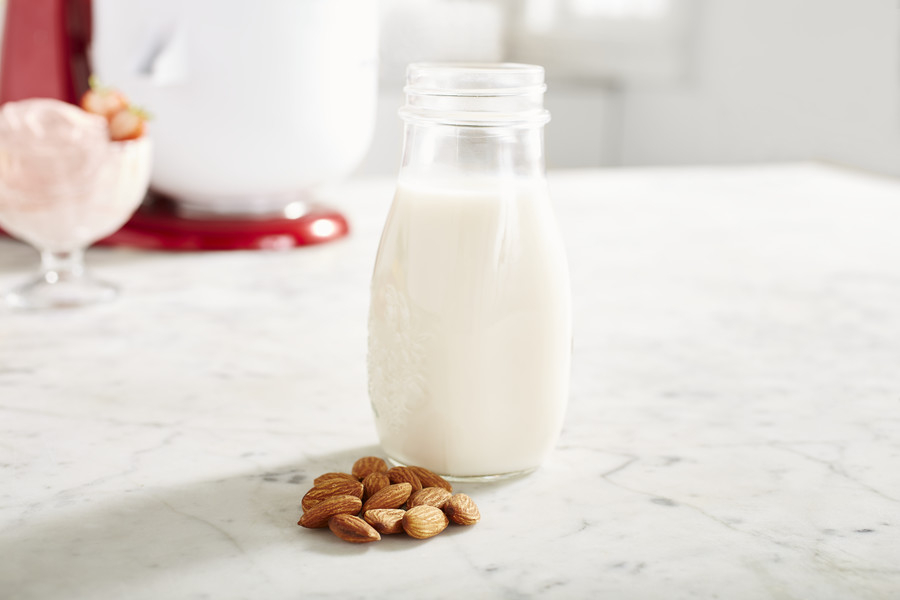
(475, 94)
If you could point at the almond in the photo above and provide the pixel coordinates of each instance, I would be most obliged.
(318, 515)
(385, 520)
(374, 482)
(328, 476)
(331, 487)
(351, 528)
(405, 474)
(431, 479)
(367, 465)
(392, 496)
(462, 510)
(423, 522)
(429, 496)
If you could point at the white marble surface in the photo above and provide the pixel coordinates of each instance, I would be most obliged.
(733, 431)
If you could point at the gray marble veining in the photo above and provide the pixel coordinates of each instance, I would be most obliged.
(733, 430)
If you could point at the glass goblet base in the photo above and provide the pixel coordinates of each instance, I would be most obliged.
(62, 283)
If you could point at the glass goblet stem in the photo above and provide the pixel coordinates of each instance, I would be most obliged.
(63, 265)
(61, 283)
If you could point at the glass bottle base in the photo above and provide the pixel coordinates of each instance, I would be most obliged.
(469, 478)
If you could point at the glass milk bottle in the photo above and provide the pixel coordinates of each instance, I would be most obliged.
(470, 317)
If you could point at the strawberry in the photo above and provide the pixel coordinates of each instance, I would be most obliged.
(103, 101)
(127, 124)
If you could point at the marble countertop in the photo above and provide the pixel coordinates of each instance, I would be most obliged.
(733, 429)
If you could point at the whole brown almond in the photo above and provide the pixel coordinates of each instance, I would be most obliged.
(462, 510)
(374, 482)
(431, 479)
(327, 476)
(430, 496)
(422, 522)
(385, 520)
(351, 528)
(367, 465)
(392, 496)
(318, 515)
(405, 474)
(331, 487)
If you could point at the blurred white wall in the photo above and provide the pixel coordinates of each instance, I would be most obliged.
(759, 80)
(778, 80)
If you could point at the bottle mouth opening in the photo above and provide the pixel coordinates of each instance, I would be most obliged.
(475, 94)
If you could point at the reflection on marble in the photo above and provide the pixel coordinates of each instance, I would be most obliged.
(733, 432)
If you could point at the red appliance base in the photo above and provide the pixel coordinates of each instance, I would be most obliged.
(158, 226)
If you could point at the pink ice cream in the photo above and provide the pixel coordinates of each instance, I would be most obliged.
(63, 183)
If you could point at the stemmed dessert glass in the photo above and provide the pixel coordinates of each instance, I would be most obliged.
(63, 186)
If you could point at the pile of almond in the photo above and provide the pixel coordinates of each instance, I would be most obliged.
(410, 499)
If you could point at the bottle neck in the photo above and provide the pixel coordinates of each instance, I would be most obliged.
(443, 152)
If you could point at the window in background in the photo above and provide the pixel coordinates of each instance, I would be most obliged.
(620, 42)
(622, 9)
(611, 41)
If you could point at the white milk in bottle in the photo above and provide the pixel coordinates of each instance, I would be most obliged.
(470, 318)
